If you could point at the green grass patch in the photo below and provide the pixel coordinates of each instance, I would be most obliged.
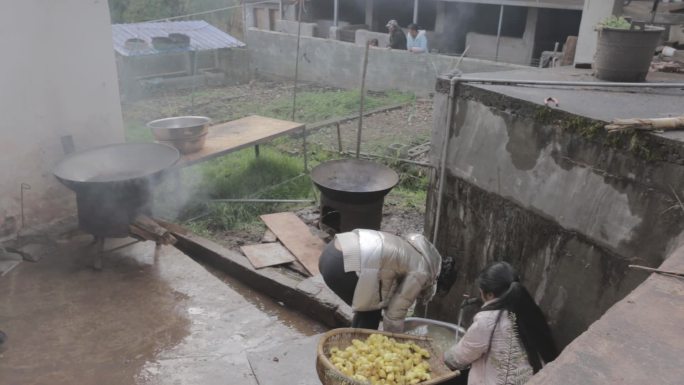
(314, 106)
(242, 175)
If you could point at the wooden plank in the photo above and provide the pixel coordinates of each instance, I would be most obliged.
(238, 134)
(267, 254)
(295, 235)
(269, 237)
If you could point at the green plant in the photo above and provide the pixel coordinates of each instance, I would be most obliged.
(614, 22)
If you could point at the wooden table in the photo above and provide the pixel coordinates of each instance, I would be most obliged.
(235, 135)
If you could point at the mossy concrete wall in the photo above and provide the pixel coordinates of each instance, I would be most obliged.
(566, 203)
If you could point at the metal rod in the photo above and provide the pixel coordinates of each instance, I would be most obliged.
(23, 187)
(659, 271)
(403, 160)
(280, 8)
(263, 200)
(654, 11)
(122, 246)
(306, 155)
(275, 185)
(465, 51)
(339, 137)
(336, 12)
(97, 258)
(296, 74)
(193, 73)
(569, 83)
(498, 32)
(445, 146)
(415, 11)
(363, 93)
(244, 18)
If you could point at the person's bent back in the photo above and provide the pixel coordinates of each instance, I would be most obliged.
(374, 270)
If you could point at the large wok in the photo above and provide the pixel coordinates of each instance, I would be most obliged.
(112, 183)
(354, 180)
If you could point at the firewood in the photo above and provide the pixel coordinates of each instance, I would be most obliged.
(147, 228)
(656, 124)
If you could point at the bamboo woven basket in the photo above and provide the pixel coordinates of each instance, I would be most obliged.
(341, 338)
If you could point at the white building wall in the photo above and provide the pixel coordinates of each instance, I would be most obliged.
(57, 78)
(594, 11)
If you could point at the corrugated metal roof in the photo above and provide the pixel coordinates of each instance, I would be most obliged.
(203, 36)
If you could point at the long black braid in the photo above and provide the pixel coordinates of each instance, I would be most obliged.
(501, 280)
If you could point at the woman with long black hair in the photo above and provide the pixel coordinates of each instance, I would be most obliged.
(509, 339)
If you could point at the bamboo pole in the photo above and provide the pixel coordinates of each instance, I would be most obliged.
(296, 74)
(655, 124)
(363, 93)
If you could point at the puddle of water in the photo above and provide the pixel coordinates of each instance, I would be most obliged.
(290, 318)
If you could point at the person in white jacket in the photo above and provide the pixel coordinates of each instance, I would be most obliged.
(374, 271)
(509, 339)
(416, 40)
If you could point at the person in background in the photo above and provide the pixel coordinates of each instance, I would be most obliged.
(416, 41)
(373, 42)
(509, 339)
(397, 37)
(374, 270)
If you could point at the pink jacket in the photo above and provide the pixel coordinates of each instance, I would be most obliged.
(504, 362)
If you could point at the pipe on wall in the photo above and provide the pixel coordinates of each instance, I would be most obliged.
(565, 83)
(445, 146)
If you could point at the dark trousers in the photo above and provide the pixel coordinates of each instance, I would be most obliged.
(331, 266)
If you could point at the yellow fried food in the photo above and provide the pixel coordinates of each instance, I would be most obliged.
(380, 360)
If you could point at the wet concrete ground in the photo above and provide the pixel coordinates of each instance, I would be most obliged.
(135, 322)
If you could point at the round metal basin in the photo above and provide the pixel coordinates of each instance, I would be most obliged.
(354, 180)
(179, 127)
(186, 133)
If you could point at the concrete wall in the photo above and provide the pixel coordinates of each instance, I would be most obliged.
(551, 193)
(511, 49)
(638, 341)
(339, 63)
(292, 27)
(364, 35)
(57, 80)
(235, 64)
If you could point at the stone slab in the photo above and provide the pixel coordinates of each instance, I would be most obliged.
(291, 363)
(267, 254)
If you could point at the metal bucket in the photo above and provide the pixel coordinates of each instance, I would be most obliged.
(624, 55)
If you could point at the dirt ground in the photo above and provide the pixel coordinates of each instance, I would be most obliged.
(389, 133)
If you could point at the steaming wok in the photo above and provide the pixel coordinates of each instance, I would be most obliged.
(115, 163)
(354, 180)
(112, 183)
